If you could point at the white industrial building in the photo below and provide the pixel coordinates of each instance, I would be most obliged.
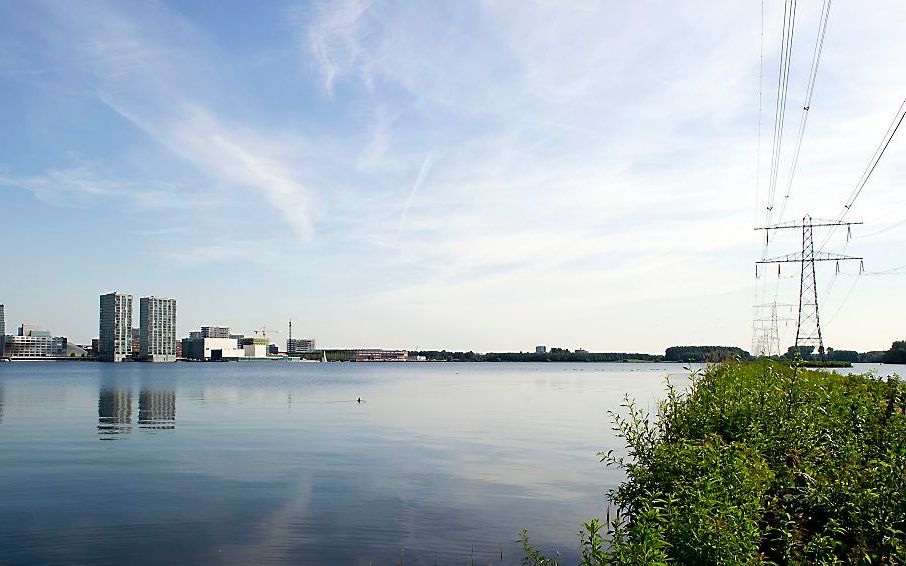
(212, 349)
(255, 347)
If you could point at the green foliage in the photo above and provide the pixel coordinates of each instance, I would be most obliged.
(760, 462)
(873, 357)
(851, 356)
(555, 355)
(703, 353)
(896, 354)
(801, 353)
(531, 556)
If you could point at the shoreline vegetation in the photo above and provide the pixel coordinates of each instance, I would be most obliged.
(757, 462)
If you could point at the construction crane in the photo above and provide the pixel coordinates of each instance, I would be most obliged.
(264, 331)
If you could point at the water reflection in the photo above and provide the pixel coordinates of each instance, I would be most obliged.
(157, 409)
(114, 412)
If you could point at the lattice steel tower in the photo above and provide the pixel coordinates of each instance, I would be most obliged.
(808, 327)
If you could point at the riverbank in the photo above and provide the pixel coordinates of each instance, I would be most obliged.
(759, 462)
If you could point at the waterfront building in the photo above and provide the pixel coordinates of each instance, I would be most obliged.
(157, 329)
(375, 355)
(255, 347)
(115, 328)
(32, 342)
(540, 349)
(207, 349)
(300, 346)
(2, 330)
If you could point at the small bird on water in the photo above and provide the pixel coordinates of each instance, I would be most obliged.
(359, 400)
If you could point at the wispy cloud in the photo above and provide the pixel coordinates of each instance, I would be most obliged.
(140, 70)
(422, 173)
(82, 185)
(334, 38)
(592, 156)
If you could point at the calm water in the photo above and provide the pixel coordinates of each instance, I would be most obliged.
(276, 462)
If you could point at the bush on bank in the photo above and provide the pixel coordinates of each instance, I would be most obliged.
(758, 462)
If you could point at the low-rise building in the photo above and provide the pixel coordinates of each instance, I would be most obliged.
(32, 343)
(376, 355)
(300, 346)
(255, 347)
(208, 349)
(540, 349)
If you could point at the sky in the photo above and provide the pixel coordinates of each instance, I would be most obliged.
(476, 175)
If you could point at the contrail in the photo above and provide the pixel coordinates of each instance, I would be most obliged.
(422, 173)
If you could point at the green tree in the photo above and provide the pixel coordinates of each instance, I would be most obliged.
(896, 354)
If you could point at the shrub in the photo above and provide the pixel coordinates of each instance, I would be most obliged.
(760, 462)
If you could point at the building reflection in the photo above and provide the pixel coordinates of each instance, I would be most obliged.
(157, 409)
(114, 412)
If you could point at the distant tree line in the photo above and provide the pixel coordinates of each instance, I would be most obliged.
(704, 353)
(895, 355)
(675, 354)
(686, 354)
(554, 355)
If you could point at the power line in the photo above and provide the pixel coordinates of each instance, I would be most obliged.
(783, 81)
(879, 153)
(872, 163)
(809, 92)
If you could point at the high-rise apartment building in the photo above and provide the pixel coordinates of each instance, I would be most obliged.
(2, 329)
(115, 332)
(157, 329)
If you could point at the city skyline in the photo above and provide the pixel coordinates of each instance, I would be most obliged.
(464, 176)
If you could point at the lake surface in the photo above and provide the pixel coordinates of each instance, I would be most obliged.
(272, 462)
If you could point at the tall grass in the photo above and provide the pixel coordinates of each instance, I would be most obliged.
(758, 462)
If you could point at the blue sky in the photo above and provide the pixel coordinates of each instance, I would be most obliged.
(479, 175)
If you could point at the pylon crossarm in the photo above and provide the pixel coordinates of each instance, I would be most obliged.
(819, 256)
(814, 222)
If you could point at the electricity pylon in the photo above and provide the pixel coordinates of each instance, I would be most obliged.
(766, 331)
(808, 327)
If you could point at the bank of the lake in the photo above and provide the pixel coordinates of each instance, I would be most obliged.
(759, 462)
